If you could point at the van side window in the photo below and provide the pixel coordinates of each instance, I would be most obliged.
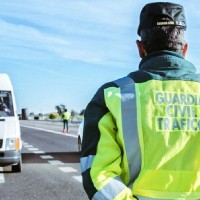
(6, 104)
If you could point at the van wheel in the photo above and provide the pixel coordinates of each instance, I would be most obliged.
(18, 167)
(79, 144)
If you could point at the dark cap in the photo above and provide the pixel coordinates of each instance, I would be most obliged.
(162, 14)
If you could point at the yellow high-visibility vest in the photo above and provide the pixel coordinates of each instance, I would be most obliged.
(66, 115)
(172, 123)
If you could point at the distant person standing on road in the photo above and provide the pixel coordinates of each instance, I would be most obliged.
(66, 116)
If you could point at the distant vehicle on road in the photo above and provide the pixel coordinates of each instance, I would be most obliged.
(80, 135)
(10, 134)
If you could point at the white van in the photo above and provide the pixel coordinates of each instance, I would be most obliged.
(10, 134)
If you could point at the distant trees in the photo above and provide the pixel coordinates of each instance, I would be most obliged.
(53, 115)
(60, 108)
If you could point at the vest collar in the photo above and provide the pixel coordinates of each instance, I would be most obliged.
(166, 60)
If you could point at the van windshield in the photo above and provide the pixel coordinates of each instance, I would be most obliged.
(6, 104)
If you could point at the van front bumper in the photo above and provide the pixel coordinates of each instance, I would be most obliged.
(9, 157)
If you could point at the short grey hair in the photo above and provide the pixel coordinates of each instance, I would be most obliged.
(163, 38)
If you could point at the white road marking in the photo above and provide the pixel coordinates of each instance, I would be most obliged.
(38, 152)
(55, 162)
(55, 132)
(28, 146)
(2, 179)
(78, 178)
(46, 157)
(33, 149)
(25, 143)
(52, 162)
(67, 169)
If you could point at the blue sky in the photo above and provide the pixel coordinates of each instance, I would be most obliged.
(62, 51)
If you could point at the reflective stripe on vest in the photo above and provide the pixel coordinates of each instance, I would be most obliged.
(86, 162)
(129, 124)
(110, 191)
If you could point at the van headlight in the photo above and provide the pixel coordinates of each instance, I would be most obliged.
(12, 144)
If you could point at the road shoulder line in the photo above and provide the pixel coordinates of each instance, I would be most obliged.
(51, 131)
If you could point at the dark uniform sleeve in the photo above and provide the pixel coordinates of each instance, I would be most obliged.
(95, 110)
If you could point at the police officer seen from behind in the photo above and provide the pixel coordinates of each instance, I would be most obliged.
(141, 135)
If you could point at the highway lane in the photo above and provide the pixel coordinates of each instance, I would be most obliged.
(51, 168)
(48, 141)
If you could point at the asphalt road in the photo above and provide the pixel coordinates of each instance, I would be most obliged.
(51, 168)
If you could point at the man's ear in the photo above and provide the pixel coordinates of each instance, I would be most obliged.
(141, 49)
(185, 48)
